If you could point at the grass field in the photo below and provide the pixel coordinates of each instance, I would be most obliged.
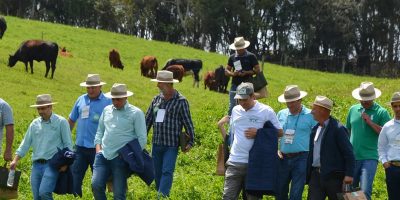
(194, 177)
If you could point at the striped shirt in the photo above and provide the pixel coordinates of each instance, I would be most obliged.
(177, 115)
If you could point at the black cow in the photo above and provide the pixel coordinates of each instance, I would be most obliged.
(189, 65)
(221, 79)
(3, 26)
(38, 50)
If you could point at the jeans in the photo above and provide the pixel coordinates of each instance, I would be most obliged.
(364, 175)
(102, 170)
(164, 158)
(232, 101)
(292, 171)
(321, 187)
(393, 182)
(84, 157)
(43, 181)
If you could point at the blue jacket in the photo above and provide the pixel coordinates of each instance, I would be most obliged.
(64, 181)
(336, 151)
(139, 161)
(262, 170)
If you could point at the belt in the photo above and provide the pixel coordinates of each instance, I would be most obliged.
(291, 155)
(41, 161)
(395, 163)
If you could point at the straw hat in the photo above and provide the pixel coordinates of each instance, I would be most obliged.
(43, 100)
(395, 98)
(119, 90)
(323, 102)
(292, 93)
(239, 43)
(165, 76)
(366, 92)
(92, 80)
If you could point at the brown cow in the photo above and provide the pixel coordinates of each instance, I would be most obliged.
(115, 60)
(209, 81)
(149, 66)
(177, 70)
(65, 53)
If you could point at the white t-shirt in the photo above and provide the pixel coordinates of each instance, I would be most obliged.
(242, 120)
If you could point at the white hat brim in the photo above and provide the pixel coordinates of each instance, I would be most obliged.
(356, 95)
(83, 84)
(173, 81)
(246, 44)
(41, 105)
(282, 99)
(128, 94)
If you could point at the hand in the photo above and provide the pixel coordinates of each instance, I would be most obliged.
(13, 164)
(7, 155)
(280, 155)
(386, 165)
(348, 180)
(365, 117)
(223, 121)
(187, 148)
(236, 73)
(63, 168)
(250, 133)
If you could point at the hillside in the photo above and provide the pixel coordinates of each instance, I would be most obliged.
(194, 176)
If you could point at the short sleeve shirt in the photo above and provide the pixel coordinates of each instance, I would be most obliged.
(6, 118)
(248, 61)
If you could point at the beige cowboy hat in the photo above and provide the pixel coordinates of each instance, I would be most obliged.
(291, 93)
(92, 80)
(395, 98)
(118, 90)
(239, 43)
(165, 76)
(366, 92)
(323, 102)
(43, 100)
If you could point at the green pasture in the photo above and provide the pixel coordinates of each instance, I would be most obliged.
(194, 177)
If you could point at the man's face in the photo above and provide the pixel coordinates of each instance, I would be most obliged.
(93, 91)
(317, 112)
(119, 102)
(163, 87)
(396, 109)
(241, 51)
(294, 106)
(45, 111)
(367, 104)
(246, 103)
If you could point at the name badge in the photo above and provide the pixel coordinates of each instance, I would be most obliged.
(160, 115)
(289, 136)
(85, 112)
(237, 65)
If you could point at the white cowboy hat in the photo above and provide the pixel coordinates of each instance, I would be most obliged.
(239, 43)
(323, 102)
(43, 100)
(165, 76)
(118, 90)
(366, 92)
(92, 80)
(292, 93)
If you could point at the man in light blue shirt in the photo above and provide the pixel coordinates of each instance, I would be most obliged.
(119, 124)
(389, 149)
(297, 123)
(46, 134)
(86, 111)
(7, 121)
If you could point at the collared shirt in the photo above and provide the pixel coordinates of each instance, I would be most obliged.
(389, 142)
(317, 144)
(6, 118)
(87, 113)
(363, 138)
(45, 137)
(241, 120)
(117, 127)
(247, 61)
(302, 125)
(177, 115)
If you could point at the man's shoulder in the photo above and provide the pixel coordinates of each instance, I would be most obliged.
(264, 107)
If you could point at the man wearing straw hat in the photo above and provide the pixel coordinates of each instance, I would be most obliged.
(119, 124)
(365, 121)
(168, 113)
(389, 149)
(297, 122)
(330, 163)
(242, 65)
(46, 134)
(86, 112)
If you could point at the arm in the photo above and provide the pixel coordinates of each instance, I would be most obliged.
(66, 134)
(221, 125)
(383, 143)
(149, 117)
(346, 150)
(140, 129)
(187, 123)
(372, 124)
(14, 163)
(9, 142)
(71, 124)
(99, 133)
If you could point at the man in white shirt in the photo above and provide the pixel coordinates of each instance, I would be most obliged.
(246, 118)
(389, 149)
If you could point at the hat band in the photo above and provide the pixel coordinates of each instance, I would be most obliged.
(92, 82)
(239, 44)
(291, 96)
(164, 79)
(366, 94)
(42, 102)
(118, 93)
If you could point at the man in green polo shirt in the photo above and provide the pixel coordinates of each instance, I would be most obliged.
(364, 122)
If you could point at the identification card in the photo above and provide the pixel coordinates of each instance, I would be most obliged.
(160, 115)
(289, 136)
(85, 112)
(237, 65)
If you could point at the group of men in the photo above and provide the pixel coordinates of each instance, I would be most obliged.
(105, 124)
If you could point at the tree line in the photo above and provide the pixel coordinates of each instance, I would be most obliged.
(353, 36)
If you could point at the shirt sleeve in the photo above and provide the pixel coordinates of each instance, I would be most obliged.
(348, 124)
(66, 134)
(383, 143)
(100, 129)
(7, 115)
(274, 119)
(187, 120)
(346, 149)
(74, 112)
(385, 117)
(140, 128)
(26, 142)
(149, 117)
(254, 60)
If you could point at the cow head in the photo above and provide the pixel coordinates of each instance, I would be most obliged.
(11, 61)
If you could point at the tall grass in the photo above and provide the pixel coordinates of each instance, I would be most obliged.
(194, 177)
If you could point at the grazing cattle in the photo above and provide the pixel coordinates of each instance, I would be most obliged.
(149, 66)
(115, 59)
(189, 65)
(221, 79)
(209, 81)
(65, 53)
(3, 26)
(177, 70)
(38, 50)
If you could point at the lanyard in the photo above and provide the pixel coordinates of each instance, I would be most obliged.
(297, 119)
